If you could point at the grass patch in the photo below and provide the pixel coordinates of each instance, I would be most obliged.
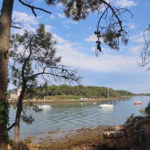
(63, 97)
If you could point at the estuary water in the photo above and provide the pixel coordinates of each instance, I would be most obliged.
(72, 116)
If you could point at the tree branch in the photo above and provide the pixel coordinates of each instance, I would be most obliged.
(27, 59)
(145, 53)
(11, 126)
(112, 9)
(55, 74)
(16, 27)
(33, 8)
(101, 18)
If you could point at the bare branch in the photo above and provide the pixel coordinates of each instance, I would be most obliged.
(112, 9)
(110, 29)
(145, 52)
(33, 8)
(15, 27)
(58, 73)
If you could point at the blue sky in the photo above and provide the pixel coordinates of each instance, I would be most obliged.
(76, 45)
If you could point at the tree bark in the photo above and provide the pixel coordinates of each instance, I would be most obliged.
(5, 24)
(18, 114)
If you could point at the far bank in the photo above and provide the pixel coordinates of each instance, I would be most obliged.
(68, 99)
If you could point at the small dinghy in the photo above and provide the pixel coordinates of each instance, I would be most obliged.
(44, 106)
(138, 103)
(106, 105)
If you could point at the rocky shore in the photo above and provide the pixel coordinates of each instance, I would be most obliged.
(131, 136)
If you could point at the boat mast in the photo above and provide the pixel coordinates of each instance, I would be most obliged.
(107, 92)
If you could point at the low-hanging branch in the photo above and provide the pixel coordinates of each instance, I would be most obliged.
(145, 52)
(112, 9)
(113, 30)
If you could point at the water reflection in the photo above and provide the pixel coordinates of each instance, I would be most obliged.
(70, 116)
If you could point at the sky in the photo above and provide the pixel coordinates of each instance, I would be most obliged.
(76, 44)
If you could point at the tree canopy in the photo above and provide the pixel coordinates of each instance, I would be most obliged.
(111, 28)
(34, 55)
(79, 91)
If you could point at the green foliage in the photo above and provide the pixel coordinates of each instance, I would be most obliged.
(142, 111)
(34, 55)
(111, 28)
(4, 111)
(73, 97)
(74, 92)
(34, 59)
(124, 93)
(133, 119)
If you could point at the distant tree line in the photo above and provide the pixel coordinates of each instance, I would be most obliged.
(80, 90)
(144, 94)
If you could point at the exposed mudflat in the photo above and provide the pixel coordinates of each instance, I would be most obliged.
(82, 139)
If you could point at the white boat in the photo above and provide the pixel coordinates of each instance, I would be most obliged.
(44, 106)
(106, 105)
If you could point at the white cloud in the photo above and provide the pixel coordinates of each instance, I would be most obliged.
(136, 49)
(70, 22)
(61, 15)
(52, 16)
(91, 38)
(58, 39)
(131, 26)
(139, 38)
(72, 56)
(59, 5)
(124, 3)
(66, 26)
(25, 21)
(21, 17)
(24, 27)
(48, 28)
(93, 49)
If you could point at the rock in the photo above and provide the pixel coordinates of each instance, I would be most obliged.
(8, 147)
(113, 134)
(118, 128)
(108, 134)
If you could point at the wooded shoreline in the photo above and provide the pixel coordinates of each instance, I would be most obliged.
(55, 100)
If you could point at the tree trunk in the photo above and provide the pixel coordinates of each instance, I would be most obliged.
(17, 130)
(18, 114)
(5, 24)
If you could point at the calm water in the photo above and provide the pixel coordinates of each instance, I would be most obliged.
(65, 117)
